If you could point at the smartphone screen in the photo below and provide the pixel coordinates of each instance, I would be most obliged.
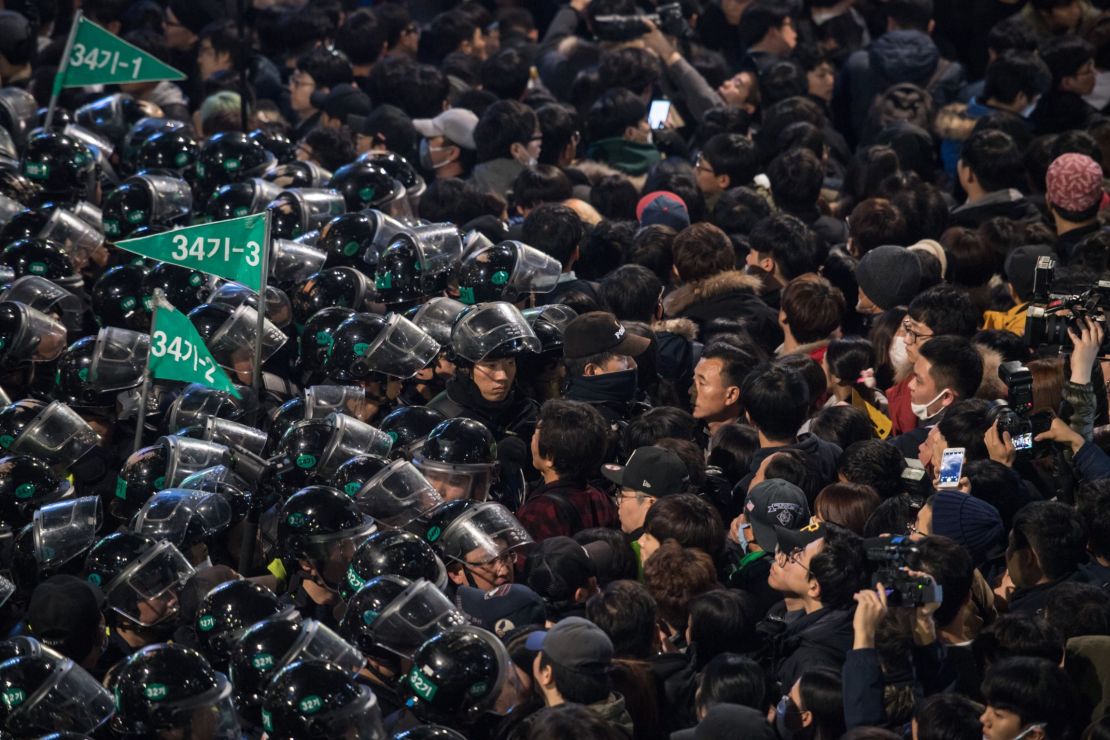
(1023, 441)
(951, 467)
(658, 113)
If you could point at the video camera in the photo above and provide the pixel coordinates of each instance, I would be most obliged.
(892, 554)
(668, 18)
(1051, 314)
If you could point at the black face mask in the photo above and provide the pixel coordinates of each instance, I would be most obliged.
(618, 386)
(788, 721)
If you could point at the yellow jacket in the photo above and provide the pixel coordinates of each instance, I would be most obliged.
(1012, 320)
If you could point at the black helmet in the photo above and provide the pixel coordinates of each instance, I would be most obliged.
(316, 338)
(343, 287)
(225, 614)
(506, 272)
(62, 167)
(15, 417)
(549, 322)
(258, 653)
(392, 551)
(108, 557)
(71, 378)
(459, 453)
(400, 170)
(346, 239)
(118, 299)
(222, 480)
(365, 603)
(230, 156)
(490, 331)
(277, 143)
(430, 732)
(143, 130)
(26, 483)
(28, 335)
(298, 174)
(314, 519)
(168, 687)
(49, 693)
(184, 288)
(186, 517)
(147, 199)
(199, 402)
(143, 474)
(368, 346)
(300, 450)
(457, 675)
(408, 426)
(111, 117)
(174, 149)
(18, 113)
(297, 211)
(417, 263)
(26, 224)
(439, 520)
(282, 418)
(311, 698)
(41, 257)
(353, 474)
(240, 199)
(207, 318)
(366, 185)
(15, 185)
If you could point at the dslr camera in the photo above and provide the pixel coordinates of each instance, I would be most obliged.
(667, 18)
(1014, 416)
(891, 555)
(1050, 313)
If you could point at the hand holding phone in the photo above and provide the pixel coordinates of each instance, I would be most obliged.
(951, 468)
(658, 114)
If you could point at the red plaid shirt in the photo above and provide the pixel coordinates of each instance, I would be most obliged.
(565, 508)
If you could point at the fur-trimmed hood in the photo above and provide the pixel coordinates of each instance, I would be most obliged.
(732, 281)
(684, 328)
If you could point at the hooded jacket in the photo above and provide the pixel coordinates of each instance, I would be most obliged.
(821, 639)
(820, 457)
(896, 56)
(730, 295)
(613, 711)
(1009, 203)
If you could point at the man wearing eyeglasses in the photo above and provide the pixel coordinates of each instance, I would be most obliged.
(818, 571)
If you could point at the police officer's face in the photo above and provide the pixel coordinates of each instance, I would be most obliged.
(451, 486)
(494, 378)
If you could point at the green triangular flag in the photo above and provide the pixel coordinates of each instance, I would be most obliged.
(177, 351)
(99, 57)
(231, 249)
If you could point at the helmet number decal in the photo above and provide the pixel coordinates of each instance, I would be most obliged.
(466, 295)
(311, 704)
(13, 697)
(306, 461)
(421, 685)
(500, 277)
(206, 623)
(155, 691)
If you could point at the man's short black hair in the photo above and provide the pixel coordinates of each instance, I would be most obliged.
(945, 310)
(839, 569)
(506, 74)
(1056, 535)
(950, 564)
(994, 158)
(782, 80)
(614, 111)
(910, 15)
(626, 612)
(224, 38)
(543, 183)
(734, 155)
(874, 463)
(503, 124)
(554, 229)
(1064, 55)
(1078, 609)
(418, 89)
(1093, 503)
(573, 435)
(736, 362)
(1038, 691)
(361, 37)
(559, 125)
(796, 177)
(955, 364)
(688, 519)
(1012, 34)
(776, 399)
(394, 19)
(759, 18)
(1016, 72)
(327, 68)
(445, 34)
(948, 716)
(789, 242)
(632, 293)
(964, 422)
(630, 67)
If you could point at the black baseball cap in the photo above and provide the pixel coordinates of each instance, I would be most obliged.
(651, 470)
(557, 568)
(64, 613)
(342, 101)
(597, 332)
(775, 504)
(388, 123)
(790, 540)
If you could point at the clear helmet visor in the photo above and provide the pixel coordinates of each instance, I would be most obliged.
(323, 400)
(439, 245)
(173, 198)
(437, 316)
(197, 403)
(397, 495)
(487, 327)
(455, 482)
(535, 272)
(233, 343)
(71, 700)
(104, 113)
(7, 590)
(77, 237)
(100, 146)
(293, 262)
(64, 530)
(351, 437)
(50, 298)
(214, 479)
(90, 214)
(170, 514)
(421, 612)
(317, 641)
(119, 359)
(385, 228)
(555, 314)
(146, 592)
(39, 338)
(402, 349)
(9, 207)
(22, 108)
(8, 149)
(57, 435)
(484, 532)
(185, 456)
(235, 435)
(317, 205)
(278, 307)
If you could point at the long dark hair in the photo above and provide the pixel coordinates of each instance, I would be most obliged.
(821, 694)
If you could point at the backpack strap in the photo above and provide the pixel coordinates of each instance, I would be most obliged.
(567, 511)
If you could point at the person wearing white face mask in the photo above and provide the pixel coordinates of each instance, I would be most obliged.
(447, 147)
(947, 369)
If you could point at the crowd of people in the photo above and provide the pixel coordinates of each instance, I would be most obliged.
(693, 370)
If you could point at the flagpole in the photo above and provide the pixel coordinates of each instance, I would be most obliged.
(244, 61)
(139, 428)
(60, 77)
(256, 367)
